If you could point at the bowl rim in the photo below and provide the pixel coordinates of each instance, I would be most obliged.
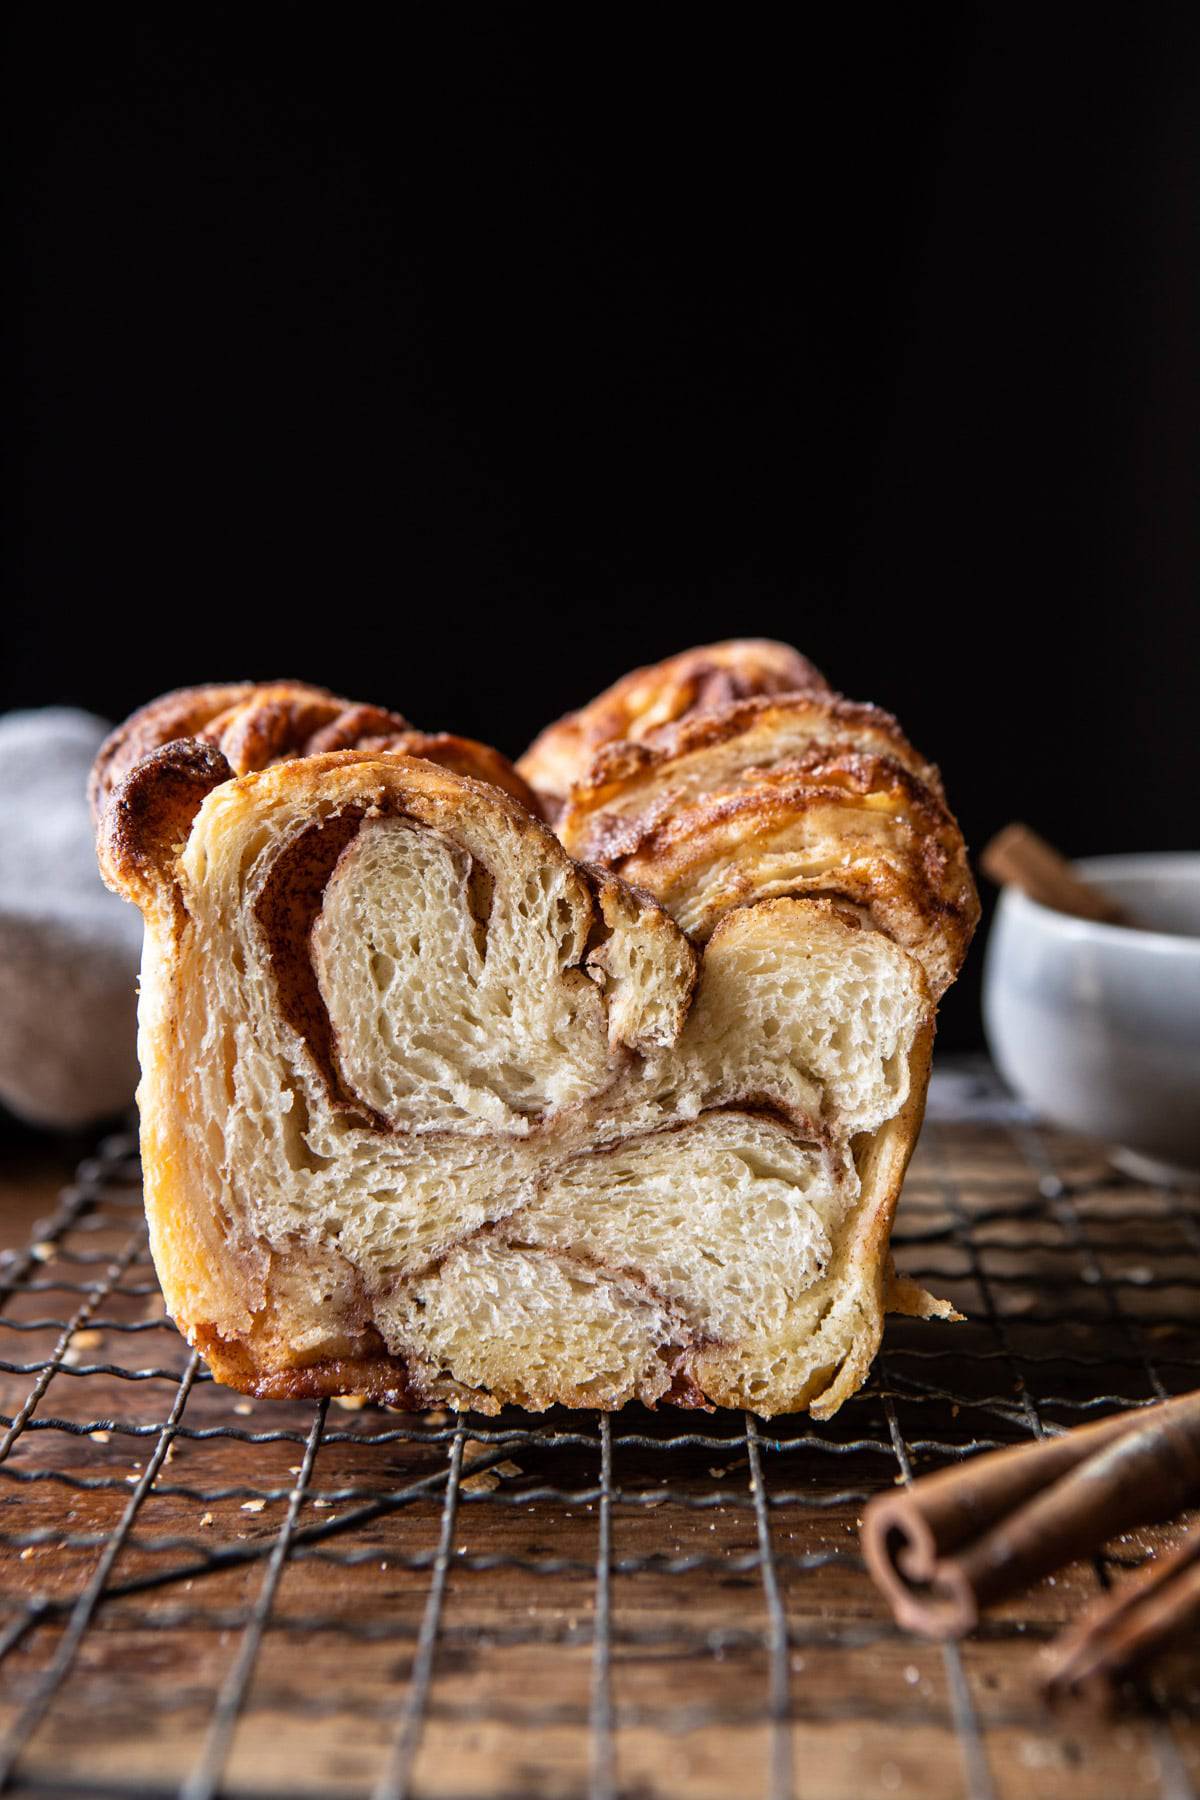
(1147, 863)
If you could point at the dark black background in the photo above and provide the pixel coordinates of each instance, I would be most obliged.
(460, 366)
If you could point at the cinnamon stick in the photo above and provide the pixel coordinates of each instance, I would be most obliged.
(1017, 856)
(1127, 1627)
(946, 1547)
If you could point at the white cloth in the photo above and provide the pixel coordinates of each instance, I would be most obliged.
(69, 950)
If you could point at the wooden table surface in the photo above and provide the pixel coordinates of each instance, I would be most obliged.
(200, 1594)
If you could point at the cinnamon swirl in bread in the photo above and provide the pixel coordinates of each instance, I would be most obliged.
(434, 1112)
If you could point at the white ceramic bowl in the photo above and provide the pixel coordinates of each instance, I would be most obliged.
(1098, 1027)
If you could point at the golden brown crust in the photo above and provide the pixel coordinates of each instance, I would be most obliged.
(766, 730)
(181, 714)
(684, 686)
(251, 723)
(796, 794)
(256, 724)
(147, 817)
(370, 1371)
(465, 756)
(279, 721)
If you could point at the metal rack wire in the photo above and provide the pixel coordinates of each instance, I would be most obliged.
(201, 1595)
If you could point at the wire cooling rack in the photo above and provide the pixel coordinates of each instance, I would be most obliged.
(204, 1595)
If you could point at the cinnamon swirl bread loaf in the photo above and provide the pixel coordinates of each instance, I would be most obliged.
(439, 1111)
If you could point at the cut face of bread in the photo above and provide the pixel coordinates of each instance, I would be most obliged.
(432, 1111)
(696, 682)
(436, 1113)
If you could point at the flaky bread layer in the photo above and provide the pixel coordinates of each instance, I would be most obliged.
(800, 795)
(683, 687)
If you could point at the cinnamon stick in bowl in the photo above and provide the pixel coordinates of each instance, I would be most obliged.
(1018, 857)
(954, 1542)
